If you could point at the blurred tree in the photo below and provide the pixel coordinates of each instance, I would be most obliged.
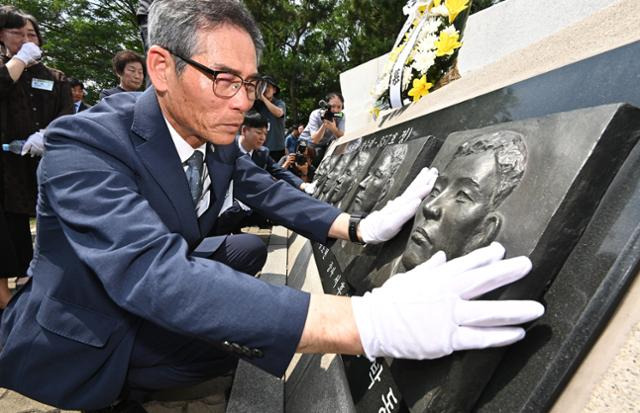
(81, 36)
(308, 42)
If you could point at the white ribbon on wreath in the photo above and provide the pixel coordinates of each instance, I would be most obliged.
(395, 78)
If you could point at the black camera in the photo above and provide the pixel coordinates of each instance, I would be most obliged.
(301, 150)
(328, 114)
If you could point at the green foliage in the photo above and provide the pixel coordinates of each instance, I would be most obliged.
(81, 36)
(308, 42)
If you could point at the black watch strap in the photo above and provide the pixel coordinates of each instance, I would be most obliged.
(354, 220)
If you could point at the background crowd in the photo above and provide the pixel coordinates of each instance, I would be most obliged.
(32, 95)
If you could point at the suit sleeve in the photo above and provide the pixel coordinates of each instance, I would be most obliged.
(147, 270)
(281, 202)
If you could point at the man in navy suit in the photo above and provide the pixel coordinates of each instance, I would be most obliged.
(127, 294)
(253, 134)
(251, 140)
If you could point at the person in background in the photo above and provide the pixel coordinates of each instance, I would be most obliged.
(291, 141)
(141, 16)
(325, 125)
(130, 298)
(77, 94)
(251, 141)
(129, 67)
(31, 96)
(275, 111)
(300, 163)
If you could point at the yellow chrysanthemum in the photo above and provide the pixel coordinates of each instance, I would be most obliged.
(447, 43)
(455, 7)
(420, 88)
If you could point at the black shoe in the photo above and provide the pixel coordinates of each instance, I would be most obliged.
(125, 406)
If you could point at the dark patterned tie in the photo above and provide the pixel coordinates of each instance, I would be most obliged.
(194, 175)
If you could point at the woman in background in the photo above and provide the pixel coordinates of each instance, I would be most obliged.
(129, 67)
(31, 96)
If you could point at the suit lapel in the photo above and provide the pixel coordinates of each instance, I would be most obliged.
(159, 155)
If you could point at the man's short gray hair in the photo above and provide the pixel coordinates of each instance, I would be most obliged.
(175, 24)
(510, 154)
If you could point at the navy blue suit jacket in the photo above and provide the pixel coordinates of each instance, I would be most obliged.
(119, 242)
(263, 159)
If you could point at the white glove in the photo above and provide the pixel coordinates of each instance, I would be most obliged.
(382, 225)
(426, 313)
(309, 188)
(29, 53)
(34, 144)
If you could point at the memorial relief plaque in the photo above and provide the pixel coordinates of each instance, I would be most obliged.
(578, 304)
(543, 216)
(532, 185)
(329, 164)
(401, 157)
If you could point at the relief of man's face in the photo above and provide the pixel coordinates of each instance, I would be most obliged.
(334, 174)
(345, 181)
(374, 187)
(458, 215)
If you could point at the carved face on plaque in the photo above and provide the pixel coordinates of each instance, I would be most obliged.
(334, 174)
(461, 214)
(375, 186)
(346, 180)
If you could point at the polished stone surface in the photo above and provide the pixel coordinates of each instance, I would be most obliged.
(318, 384)
(540, 221)
(578, 303)
(572, 158)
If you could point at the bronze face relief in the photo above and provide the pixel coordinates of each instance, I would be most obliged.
(375, 186)
(461, 214)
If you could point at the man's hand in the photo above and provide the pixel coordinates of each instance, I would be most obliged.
(34, 144)
(291, 158)
(331, 125)
(428, 313)
(382, 225)
(29, 53)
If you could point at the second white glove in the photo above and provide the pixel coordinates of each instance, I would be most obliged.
(310, 188)
(29, 53)
(382, 225)
(34, 144)
(426, 313)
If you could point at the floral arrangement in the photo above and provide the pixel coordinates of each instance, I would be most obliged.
(424, 52)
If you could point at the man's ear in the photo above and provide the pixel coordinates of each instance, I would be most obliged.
(160, 67)
(486, 233)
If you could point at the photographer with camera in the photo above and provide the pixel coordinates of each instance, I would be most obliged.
(325, 125)
(275, 111)
(300, 163)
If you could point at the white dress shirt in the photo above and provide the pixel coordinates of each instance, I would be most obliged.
(184, 152)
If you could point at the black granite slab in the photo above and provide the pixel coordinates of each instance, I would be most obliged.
(455, 383)
(578, 303)
(318, 384)
(572, 158)
(372, 386)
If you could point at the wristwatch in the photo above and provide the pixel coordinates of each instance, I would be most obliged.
(354, 220)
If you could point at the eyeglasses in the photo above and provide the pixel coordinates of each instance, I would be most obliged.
(225, 84)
